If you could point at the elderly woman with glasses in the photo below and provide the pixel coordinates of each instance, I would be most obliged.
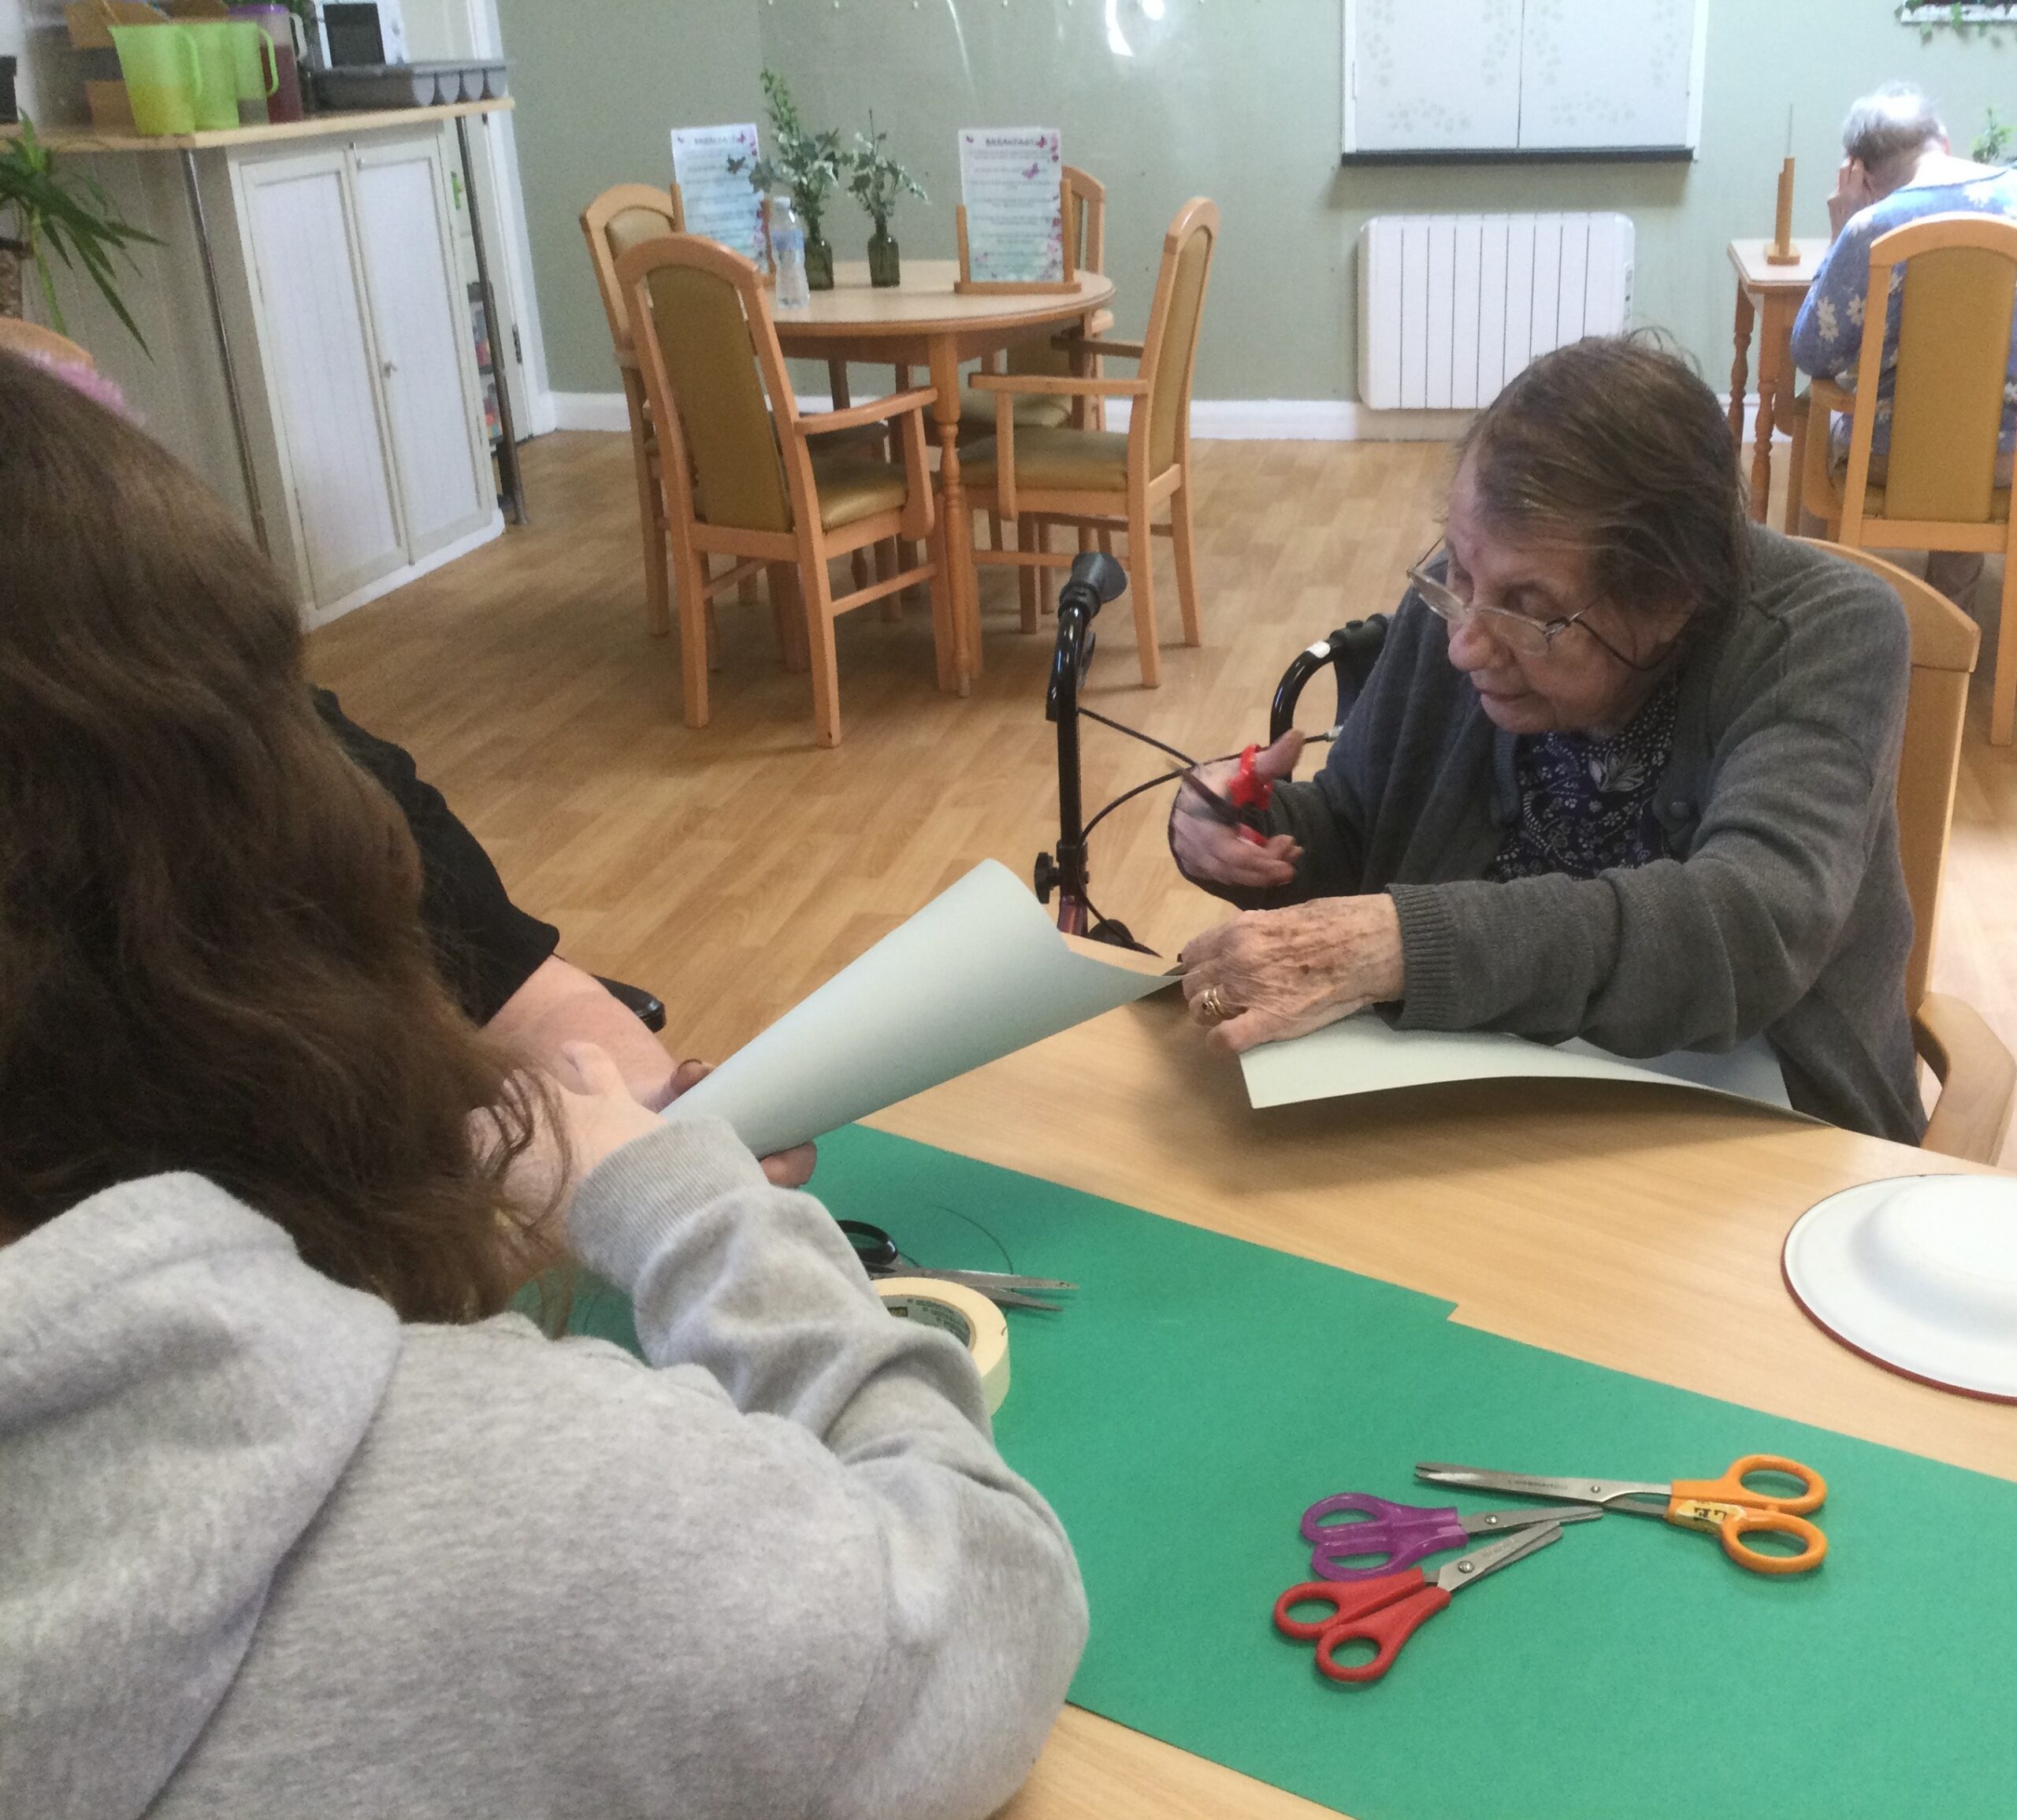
(1624, 771)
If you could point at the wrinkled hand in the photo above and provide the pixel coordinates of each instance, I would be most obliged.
(789, 1168)
(1209, 849)
(1853, 194)
(1284, 973)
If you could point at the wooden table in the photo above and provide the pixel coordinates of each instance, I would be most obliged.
(1772, 295)
(925, 322)
(1637, 1227)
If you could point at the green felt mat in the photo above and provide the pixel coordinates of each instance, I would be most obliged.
(1199, 1392)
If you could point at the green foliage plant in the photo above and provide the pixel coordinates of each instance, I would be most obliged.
(70, 217)
(876, 179)
(1992, 145)
(808, 164)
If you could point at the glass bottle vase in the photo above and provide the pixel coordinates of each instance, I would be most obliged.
(885, 268)
(819, 263)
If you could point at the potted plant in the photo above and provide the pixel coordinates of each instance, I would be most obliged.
(876, 180)
(71, 217)
(807, 164)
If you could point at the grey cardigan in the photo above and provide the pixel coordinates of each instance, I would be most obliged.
(1785, 910)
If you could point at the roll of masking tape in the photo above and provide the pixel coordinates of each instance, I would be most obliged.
(966, 1314)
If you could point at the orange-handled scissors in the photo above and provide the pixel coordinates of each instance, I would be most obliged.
(1726, 1507)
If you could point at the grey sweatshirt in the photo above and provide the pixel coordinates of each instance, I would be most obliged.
(265, 1551)
(1782, 911)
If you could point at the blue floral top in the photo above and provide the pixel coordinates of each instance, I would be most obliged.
(1586, 805)
(1828, 334)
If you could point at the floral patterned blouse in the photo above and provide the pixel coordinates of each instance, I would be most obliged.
(1586, 805)
(1828, 334)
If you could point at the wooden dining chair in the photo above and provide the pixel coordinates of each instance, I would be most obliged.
(1977, 1074)
(738, 476)
(1085, 231)
(18, 335)
(621, 217)
(1938, 487)
(1103, 479)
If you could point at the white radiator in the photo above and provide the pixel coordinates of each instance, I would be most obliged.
(1451, 306)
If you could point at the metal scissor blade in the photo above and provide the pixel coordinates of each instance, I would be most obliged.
(1015, 1298)
(1497, 1522)
(1494, 1555)
(986, 1280)
(1534, 1485)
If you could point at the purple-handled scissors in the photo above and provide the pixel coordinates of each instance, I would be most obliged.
(1358, 1536)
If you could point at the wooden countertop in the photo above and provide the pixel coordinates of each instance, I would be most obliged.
(328, 125)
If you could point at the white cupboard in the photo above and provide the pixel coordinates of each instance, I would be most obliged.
(370, 369)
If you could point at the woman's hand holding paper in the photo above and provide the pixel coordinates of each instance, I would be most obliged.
(791, 1168)
(1270, 974)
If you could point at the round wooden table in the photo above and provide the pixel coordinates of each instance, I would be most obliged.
(924, 322)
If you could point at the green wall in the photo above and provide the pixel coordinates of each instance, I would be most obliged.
(1235, 99)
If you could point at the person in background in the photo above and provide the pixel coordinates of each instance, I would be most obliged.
(1625, 770)
(296, 1521)
(1897, 166)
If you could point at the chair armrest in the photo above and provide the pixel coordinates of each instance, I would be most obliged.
(1831, 396)
(1060, 385)
(1076, 343)
(876, 410)
(1977, 1078)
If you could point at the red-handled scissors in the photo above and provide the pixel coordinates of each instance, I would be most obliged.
(1245, 802)
(1385, 1612)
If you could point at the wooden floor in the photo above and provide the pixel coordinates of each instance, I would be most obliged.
(733, 868)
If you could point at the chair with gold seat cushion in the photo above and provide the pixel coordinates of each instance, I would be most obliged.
(1085, 233)
(1052, 460)
(738, 474)
(1938, 487)
(623, 216)
(618, 219)
(1100, 480)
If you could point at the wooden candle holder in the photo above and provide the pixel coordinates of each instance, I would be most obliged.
(967, 284)
(1782, 251)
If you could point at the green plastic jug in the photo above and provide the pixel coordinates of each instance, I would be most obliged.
(159, 65)
(217, 65)
(257, 64)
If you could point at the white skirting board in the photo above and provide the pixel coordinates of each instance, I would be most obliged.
(1212, 419)
(407, 572)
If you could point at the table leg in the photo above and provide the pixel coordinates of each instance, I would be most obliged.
(1779, 331)
(1739, 366)
(1772, 353)
(956, 520)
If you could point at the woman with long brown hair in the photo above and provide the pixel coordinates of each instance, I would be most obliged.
(295, 1521)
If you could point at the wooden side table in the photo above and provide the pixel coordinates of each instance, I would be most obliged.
(1771, 296)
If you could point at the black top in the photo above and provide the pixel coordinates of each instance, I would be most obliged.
(485, 945)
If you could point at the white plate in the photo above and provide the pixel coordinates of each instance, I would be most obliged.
(1919, 1273)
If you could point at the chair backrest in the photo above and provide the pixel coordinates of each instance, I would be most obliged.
(1085, 233)
(1171, 341)
(1953, 358)
(621, 217)
(709, 354)
(1944, 643)
(1087, 227)
(19, 336)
